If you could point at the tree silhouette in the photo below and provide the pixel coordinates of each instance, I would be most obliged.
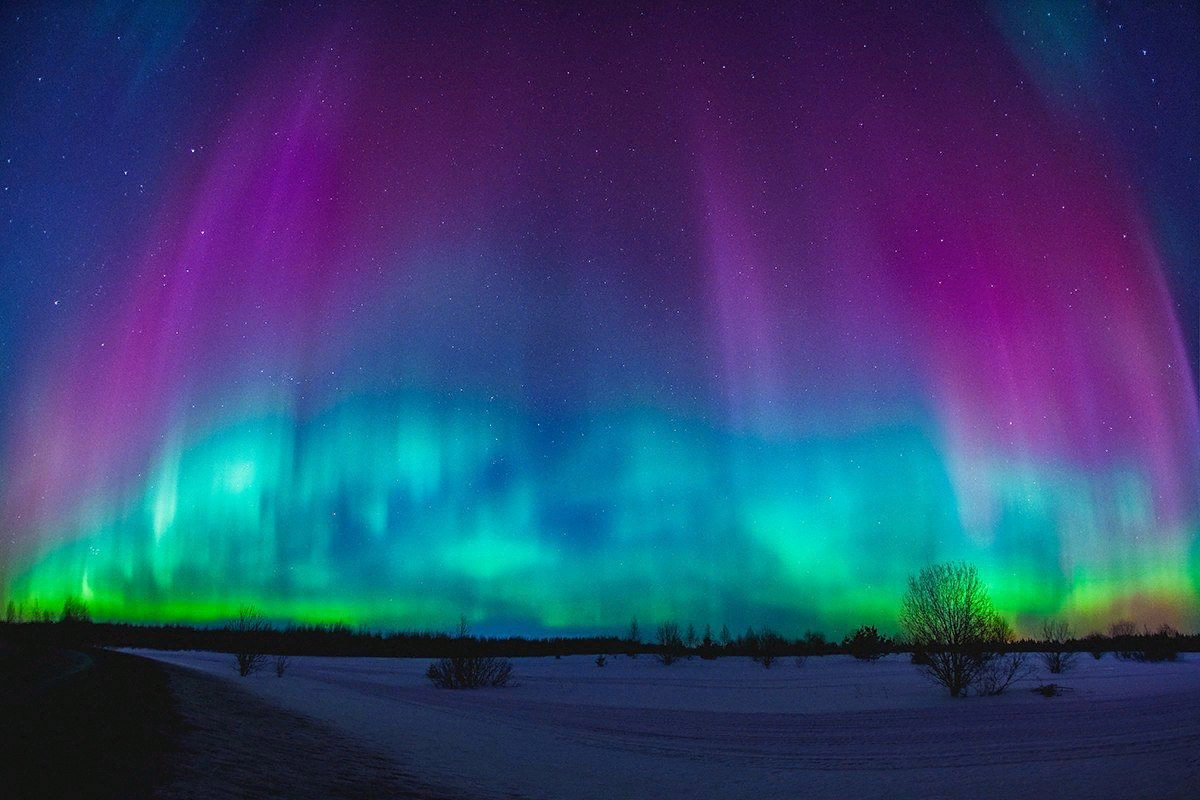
(950, 619)
(249, 628)
(670, 643)
(1056, 633)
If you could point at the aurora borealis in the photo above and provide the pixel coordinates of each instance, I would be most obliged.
(556, 318)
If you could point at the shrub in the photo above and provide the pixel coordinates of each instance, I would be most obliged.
(1056, 634)
(601, 660)
(470, 672)
(866, 644)
(765, 647)
(1123, 633)
(281, 665)
(670, 643)
(248, 630)
(1161, 646)
(999, 672)
(1095, 644)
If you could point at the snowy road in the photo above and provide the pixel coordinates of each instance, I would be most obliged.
(729, 728)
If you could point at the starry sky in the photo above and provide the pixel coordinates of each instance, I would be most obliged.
(555, 317)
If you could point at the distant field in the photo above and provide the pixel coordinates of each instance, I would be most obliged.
(729, 728)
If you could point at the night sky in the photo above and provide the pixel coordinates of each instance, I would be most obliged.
(554, 318)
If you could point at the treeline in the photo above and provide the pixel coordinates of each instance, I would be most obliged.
(669, 642)
(342, 640)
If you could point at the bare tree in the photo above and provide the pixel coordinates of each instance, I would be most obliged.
(949, 617)
(1056, 634)
(248, 630)
(281, 664)
(670, 643)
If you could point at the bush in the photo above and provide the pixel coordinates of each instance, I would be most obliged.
(470, 672)
(999, 672)
(1123, 634)
(248, 629)
(866, 644)
(601, 660)
(670, 643)
(765, 647)
(1095, 644)
(1161, 646)
(1056, 634)
(281, 665)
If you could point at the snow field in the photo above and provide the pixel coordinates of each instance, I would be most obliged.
(729, 728)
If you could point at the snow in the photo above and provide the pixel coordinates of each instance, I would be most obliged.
(729, 728)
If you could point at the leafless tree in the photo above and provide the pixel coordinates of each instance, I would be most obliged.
(281, 664)
(1056, 634)
(949, 617)
(670, 643)
(248, 630)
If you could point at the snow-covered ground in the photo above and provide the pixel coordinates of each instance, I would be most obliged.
(834, 727)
